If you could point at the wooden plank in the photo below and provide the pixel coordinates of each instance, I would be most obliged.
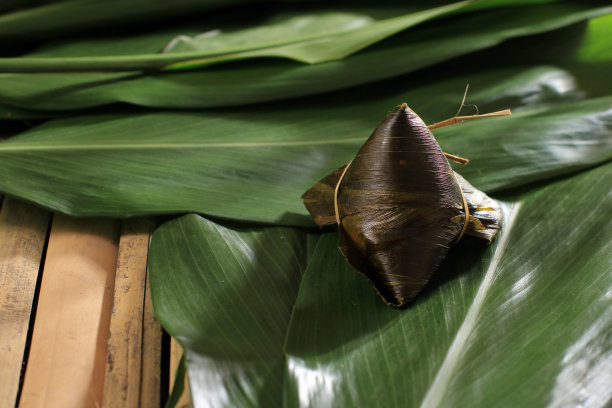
(150, 387)
(124, 358)
(66, 364)
(176, 352)
(23, 231)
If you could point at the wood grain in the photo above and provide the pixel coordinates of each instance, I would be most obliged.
(125, 345)
(67, 360)
(23, 230)
(150, 386)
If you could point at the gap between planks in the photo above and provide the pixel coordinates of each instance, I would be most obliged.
(23, 233)
(134, 346)
(68, 349)
(95, 340)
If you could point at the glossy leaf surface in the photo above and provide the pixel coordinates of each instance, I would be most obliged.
(227, 294)
(483, 328)
(524, 322)
(524, 314)
(305, 37)
(257, 81)
(254, 165)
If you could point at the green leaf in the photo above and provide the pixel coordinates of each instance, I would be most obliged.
(254, 164)
(312, 38)
(179, 384)
(8, 112)
(525, 322)
(530, 316)
(596, 42)
(535, 144)
(65, 17)
(308, 38)
(256, 81)
(226, 295)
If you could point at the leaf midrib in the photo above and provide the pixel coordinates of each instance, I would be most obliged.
(419, 17)
(9, 147)
(439, 386)
(171, 59)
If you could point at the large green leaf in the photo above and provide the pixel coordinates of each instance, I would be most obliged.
(596, 47)
(593, 60)
(525, 322)
(8, 112)
(234, 338)
(256, 81)
(254, 164)
(310, 38)
(65, 17)
(70, 16)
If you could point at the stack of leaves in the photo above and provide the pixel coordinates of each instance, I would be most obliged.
(230, 110)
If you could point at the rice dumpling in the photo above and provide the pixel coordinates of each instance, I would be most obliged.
(399, 207)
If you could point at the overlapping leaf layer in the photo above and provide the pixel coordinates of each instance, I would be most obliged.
(232, 109)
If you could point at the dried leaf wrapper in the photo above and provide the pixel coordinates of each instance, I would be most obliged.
(400, 207)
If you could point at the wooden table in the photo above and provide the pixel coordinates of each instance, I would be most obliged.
(76, 322)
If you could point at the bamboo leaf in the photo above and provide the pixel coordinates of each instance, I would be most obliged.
(482, 330)
(558, 131)
(179, 384)
(62, 17)
(239, 84)
(254, 164)
(234, 328)
(595, 48)
(337, 36)
(8, 112)
(308, 38)
(523, 314)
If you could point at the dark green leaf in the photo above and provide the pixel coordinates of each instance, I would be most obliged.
(254, 164)
(8, 112)
(525, 322)
(227, 294)
(310, 38)
(595, 48)
(527, 314)
(62, 17)
(179, 384)
(242, 83)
